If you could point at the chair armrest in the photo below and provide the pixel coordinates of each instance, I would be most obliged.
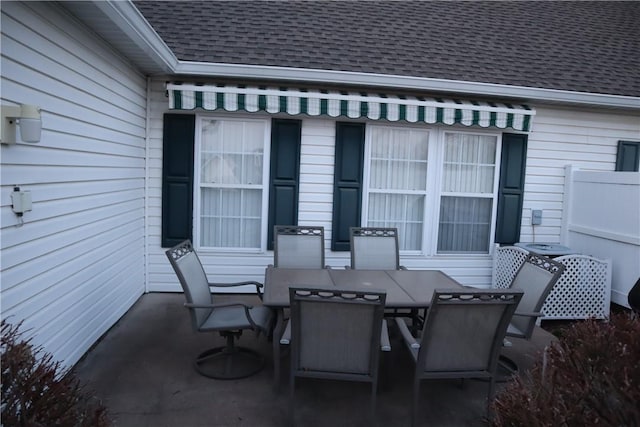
(218, 305)
(385, 344)
(528, 314)
(286, 335)
(227, 285)
(258, 286)
(406, 334)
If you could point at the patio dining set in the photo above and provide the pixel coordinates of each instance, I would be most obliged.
(334, 322)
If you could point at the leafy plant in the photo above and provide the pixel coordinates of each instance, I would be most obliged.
(590, 376)
(37, 392)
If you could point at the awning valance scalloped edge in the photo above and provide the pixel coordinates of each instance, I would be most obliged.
(353, 105)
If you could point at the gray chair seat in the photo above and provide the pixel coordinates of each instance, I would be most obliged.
(229, 318)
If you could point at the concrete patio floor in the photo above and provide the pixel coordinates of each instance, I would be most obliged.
(142, 371)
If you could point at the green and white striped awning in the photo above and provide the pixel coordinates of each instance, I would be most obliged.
(354, 105)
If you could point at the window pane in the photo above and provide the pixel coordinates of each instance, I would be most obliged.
(398, 159)
(405, 212)
(469, 163)
(465, 223)
(232, 152)
(230, 217)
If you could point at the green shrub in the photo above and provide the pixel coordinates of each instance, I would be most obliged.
(37, 392)
(590, 376)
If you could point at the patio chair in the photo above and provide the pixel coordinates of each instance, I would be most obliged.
(461, 337)
(228, 318)
(536, 277)
(298, 246)
(375, 248)
(337, 335)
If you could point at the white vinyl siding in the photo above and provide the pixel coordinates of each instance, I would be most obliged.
(77, 263)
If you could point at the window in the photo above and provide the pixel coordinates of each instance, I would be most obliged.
(628, 157)
(438, 188)
(397, 182)
(231, 194)
(468, 192)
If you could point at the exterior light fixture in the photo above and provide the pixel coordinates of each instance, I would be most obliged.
(27, 116)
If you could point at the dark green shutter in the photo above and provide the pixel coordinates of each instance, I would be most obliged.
(177, 178)
(285, 172)
(511, 191)
(347, 183)
(628, 158)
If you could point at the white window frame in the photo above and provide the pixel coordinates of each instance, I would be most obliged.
(438, 194)
(433, 192)
(200, 118)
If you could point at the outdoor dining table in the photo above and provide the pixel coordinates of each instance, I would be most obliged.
(411, 289)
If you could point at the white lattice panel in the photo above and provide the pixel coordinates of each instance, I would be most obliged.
(583, 290)
(506, 262)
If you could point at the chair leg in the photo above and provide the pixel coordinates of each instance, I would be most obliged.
(292, 395)
(490, 393)
(374, 394)
(416, 398)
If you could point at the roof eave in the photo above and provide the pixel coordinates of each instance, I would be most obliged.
(529, 94)
(128, 19)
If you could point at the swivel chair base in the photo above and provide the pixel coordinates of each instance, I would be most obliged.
(229, 362)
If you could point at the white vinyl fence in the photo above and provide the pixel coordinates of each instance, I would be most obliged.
(602, 219)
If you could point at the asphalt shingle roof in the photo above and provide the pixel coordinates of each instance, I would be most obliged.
(577, 46)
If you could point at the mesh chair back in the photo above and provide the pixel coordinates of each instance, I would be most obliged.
(374, 248)
(193, 280)
(463, 331)
(536, 278)
(335, 333)
(298, 247)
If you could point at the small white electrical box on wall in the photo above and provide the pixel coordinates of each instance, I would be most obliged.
(21, 201)
(536, 217)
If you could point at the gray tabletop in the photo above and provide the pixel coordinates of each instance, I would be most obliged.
(404, 288)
